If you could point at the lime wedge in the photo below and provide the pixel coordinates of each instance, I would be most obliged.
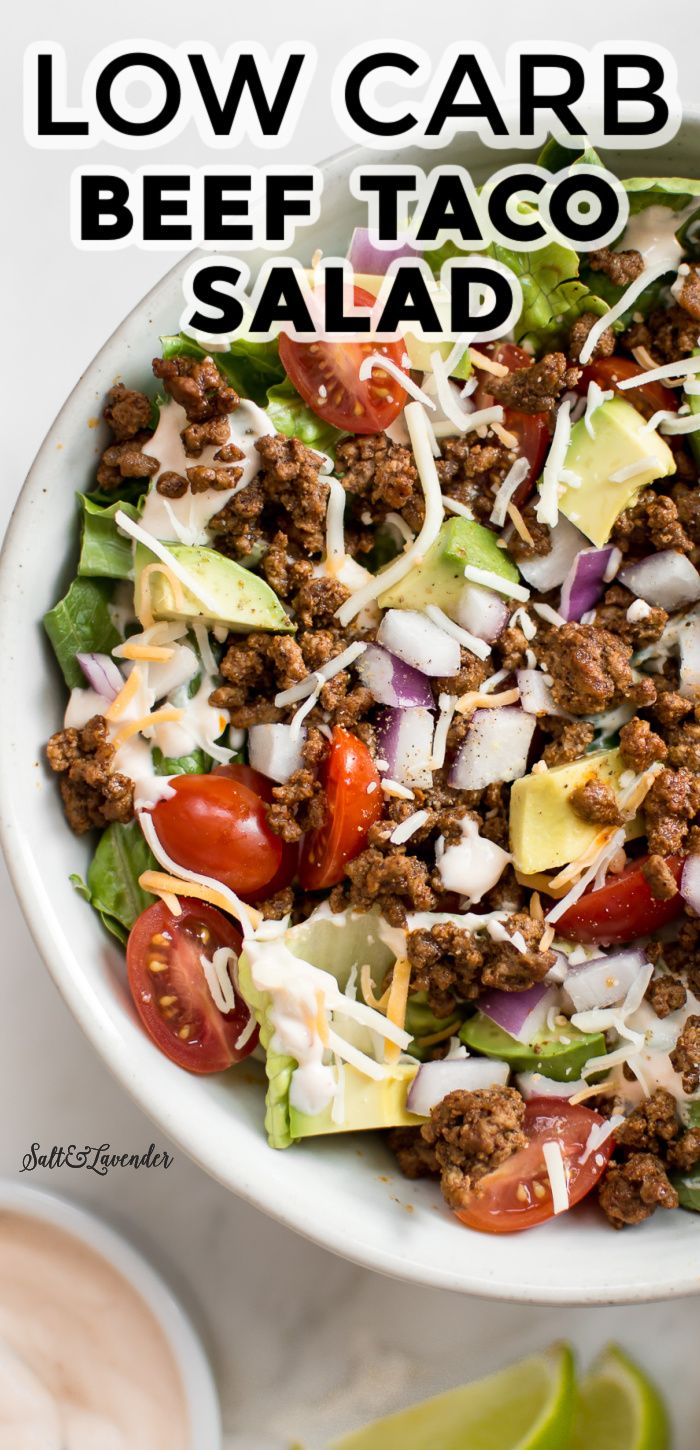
(618, 1408)
(526, 1407)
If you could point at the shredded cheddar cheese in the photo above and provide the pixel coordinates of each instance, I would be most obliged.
(166, 714)
(396, 1005)
(367, 986)
(518, 523)
(508, 440)
(143, 603)
(160, 883)
(473, 700)
(121, 702)
(487, 364)
(153, 653)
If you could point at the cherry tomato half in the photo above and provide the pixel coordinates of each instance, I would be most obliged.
(354, 800)
(532, 430)
(621, 910)
(327, 374)
(607, 372)
(518, 1195)
(262, 786)
(216, 825)
(170, 991)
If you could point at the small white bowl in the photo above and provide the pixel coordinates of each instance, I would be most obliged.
(193, 1367)
(344, 1192)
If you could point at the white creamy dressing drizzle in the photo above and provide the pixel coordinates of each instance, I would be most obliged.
(84, 1365)
(473, 866)
(653, 233)
(186, 518)
(652, 1062)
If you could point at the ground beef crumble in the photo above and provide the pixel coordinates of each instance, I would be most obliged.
(595, 801)
(669, 807)
(92, 794)
(667, 334)
(590, 669)
(651, 519)
(611, 614)
(452, 965)
(580, 329)
(661, 880)
(288, 494)
(381, 477)
(537, 387)
(630, 1192)
(415, 1157)
(620, 267)
(640, 747)
(569, 740)
(685, 1057)
(666, 994)
(471, 1134)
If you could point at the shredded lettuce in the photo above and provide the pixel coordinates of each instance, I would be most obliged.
(112, 886)
(251, 367)
(81, 623)
(104, 552)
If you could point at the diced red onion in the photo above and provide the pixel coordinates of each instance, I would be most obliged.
(667, 580)
(535, 694)
(102, 674)
(370, 259)
(584, 583)
(690, 883)
(522, 1015)
(482, 612)
(689, 641)
(275, 750)
(391, 681)
(413, 638)
(602, 982)
(434, 1080)
(496, 748)
(546, 571)
(405, 741)
(536, 1085)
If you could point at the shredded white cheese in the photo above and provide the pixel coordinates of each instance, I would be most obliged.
(218, 980)
(476, 646)
(595, 398)
(635, 289)
(556, 1171)
(335, 513)
(408, 828)
(454, 506)
(448, 705)
(677, 369)
(603, 857)
(416, 423)
(311, 684)
(497, 582)
(547, 510)
(599, 1134)
(386, 364)
(632, 470)
(551, 616)
(447, 396)
(517, 473)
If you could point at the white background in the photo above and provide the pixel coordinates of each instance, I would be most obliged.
(302, 1343)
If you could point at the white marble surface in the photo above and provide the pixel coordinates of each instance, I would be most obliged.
(303, 1344)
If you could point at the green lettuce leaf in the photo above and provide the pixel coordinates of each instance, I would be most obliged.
(81, 622)
(112, 886)
(554, 294)
(104, 552)
(251, 367)
(197, 763)
(554, 156)
(292, 416)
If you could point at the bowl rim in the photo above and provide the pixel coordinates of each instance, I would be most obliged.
(94, 1018)
(201, 1395)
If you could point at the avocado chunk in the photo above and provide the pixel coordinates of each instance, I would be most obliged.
(545, 830)
(559, 1056)
(230, 595)
(367, 1104)
(439, 578)
(621, 440)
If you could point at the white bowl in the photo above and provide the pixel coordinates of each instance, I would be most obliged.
(344, 1193)
(200, 1393)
